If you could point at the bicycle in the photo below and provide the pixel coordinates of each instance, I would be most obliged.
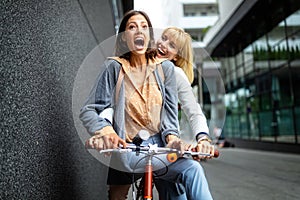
(151, 151)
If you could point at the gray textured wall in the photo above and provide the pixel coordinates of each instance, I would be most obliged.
(43, 44)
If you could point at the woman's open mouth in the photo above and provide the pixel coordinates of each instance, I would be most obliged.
(161, 52)
(139, 43)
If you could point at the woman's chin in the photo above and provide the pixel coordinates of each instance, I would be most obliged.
(139, 51)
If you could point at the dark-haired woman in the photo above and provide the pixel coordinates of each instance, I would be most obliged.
(144, 101)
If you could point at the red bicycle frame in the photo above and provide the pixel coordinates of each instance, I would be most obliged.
(148, 175)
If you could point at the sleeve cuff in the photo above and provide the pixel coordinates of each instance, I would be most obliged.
(201, 134)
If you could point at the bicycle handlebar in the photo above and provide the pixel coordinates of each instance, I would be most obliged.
(153, 149)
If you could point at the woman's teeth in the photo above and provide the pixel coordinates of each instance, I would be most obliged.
(161, 52)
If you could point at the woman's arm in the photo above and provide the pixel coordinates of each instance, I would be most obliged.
(195, 115)
(100, 98)
(169, 119)
(189, 105)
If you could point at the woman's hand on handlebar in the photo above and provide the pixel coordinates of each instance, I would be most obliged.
(204, 147)
(175, 142)
(109, 140)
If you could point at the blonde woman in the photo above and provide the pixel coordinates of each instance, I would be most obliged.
(175, 45)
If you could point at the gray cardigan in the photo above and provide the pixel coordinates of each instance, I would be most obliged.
(102, 96)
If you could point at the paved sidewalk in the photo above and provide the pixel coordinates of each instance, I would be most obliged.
(242, 174)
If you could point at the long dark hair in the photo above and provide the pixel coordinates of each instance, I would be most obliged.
(121, 48)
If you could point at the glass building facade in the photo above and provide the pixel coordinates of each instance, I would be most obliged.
(261, 81)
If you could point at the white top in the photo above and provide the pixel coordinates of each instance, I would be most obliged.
(189, 104)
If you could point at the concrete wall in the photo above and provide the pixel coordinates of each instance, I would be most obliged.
(43, 44)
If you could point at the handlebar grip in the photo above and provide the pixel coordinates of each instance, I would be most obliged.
(216, 153)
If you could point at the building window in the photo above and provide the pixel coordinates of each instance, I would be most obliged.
(196, 34)
(200, 10)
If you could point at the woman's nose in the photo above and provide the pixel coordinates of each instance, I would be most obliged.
(139, 29)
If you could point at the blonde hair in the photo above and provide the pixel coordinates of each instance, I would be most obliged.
(183, 42)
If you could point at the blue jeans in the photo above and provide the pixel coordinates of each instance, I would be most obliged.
(184, 180)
